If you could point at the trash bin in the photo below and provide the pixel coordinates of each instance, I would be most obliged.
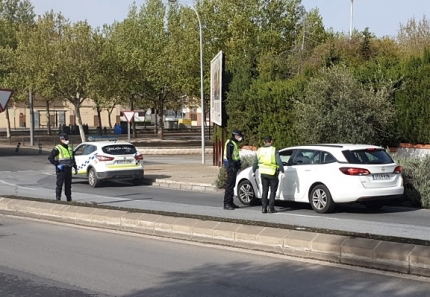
(99, 130)
(86, 130)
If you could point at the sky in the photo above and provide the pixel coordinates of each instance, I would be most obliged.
(383, 17)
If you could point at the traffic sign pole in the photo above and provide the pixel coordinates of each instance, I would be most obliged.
(129, 115)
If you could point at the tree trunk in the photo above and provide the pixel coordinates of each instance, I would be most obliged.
(8, 135)
(99, 116)
(48, 115)
(133, 123)
(79, 118)
(109, 116)
(161, 123)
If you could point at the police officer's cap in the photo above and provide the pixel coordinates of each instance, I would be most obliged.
(237, 132)
(64, 136)
(268, 139)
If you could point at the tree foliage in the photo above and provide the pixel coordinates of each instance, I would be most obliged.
(338, 109)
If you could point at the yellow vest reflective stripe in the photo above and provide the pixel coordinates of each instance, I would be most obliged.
(65, 156)
(267, 160)
(235, 155)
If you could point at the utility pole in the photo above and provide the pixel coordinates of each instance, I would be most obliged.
(31, 119)
(351, 20)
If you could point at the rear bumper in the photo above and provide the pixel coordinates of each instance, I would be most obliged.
(370, 195)
(120, 174)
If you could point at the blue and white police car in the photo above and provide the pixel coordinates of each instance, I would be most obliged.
(100, 161)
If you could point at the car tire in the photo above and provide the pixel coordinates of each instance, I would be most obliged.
(138, 181)
(93, 181)
(320, 199)
(246, 193)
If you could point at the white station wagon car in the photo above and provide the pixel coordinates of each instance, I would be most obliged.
(327, 174)
(107, 160)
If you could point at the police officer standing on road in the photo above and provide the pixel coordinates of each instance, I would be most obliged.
(63, 159)
(232, 164)
(269, 163)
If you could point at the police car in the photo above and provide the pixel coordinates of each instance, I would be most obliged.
(100, 161)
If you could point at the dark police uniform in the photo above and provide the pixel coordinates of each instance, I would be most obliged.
(232, 164)
(62, 154)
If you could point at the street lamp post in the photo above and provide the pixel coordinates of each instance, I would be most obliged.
(201, 81)
(352, 15)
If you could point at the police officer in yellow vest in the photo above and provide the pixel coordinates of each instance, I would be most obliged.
(269, 163)
(63, 159)
(232, 164)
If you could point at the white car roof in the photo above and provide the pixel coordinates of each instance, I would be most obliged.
(106, 143)
(335, 146)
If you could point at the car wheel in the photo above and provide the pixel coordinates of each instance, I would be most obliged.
(374, 205)
(245, 193)
(93, 181)
(320, 199)
(138, 181)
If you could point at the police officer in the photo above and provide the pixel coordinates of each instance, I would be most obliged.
(232, 164)
(269, 163)
(63, 159)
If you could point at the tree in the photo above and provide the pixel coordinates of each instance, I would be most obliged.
(13, 15)
(338, 109)
(414, 36)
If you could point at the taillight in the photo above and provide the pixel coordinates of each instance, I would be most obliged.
(354, 171)
(104, 158)
(139, 157)
(398, 169)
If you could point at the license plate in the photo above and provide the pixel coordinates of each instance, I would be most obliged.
(122, 162)
(381, 176)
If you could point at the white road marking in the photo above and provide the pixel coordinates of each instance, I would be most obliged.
(14, 185)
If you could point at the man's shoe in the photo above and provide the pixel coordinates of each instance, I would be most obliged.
(235, 205)
(272, 210)
(69, 199)
(264, 209)
(229, 207)
(58, 198)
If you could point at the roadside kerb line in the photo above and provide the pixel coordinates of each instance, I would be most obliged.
(371, 253)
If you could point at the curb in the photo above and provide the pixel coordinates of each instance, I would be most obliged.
(370, 253)
(164, 183)
(173, 151)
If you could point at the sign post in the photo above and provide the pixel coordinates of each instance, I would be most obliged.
(129, 116)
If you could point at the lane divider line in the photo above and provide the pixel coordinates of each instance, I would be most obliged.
(15, 185)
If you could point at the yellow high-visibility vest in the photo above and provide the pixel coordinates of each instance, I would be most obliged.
(235, 155)
(65, 156)
(267, 160)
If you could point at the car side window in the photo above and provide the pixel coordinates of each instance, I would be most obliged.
(303, 157)
(327, 158)
(316, 159)
(285, 156)
(79, 151)
(89, 149)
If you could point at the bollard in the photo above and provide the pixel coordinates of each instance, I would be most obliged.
(40, 147)
(17, 147)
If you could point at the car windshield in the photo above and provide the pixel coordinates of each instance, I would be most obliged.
(367, 156)
(119, 149)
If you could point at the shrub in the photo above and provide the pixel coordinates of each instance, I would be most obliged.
(222, 174)
(416, 179)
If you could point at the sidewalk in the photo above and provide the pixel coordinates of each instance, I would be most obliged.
(195, 177)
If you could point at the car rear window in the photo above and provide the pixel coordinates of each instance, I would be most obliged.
(368, 156)
(119, 149)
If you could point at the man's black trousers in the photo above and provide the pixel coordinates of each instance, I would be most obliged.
(64, 177)
(229, 187)
(267, 181)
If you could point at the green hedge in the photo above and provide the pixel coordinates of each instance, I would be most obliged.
(416, 179)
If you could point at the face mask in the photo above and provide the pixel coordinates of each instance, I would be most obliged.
(240, 139)
(66, 142)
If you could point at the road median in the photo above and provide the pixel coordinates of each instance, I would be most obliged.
(406, 258)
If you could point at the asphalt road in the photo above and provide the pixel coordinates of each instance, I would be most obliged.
(45, 259)
(31, 175)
